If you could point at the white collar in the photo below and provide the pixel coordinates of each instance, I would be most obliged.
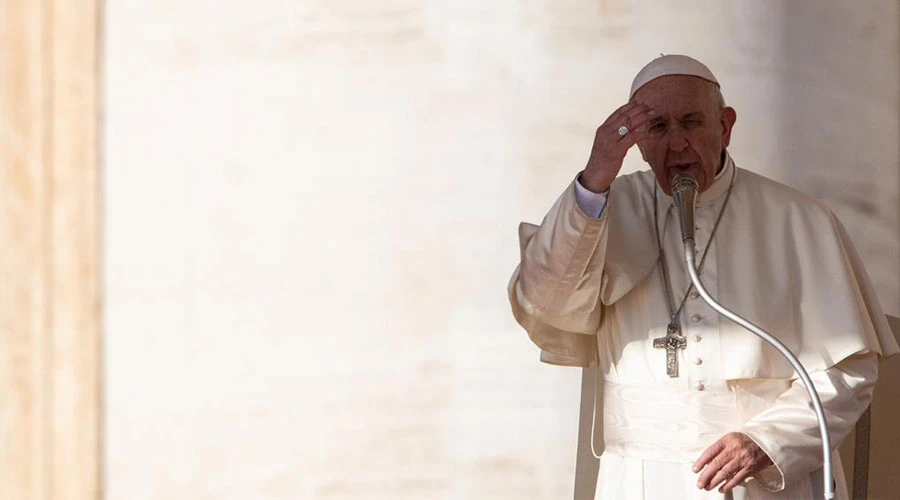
(718, 188)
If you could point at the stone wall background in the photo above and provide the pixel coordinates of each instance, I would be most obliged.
(311, 209)
(50, 320)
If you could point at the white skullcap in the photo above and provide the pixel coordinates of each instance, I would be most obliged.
(671, 65)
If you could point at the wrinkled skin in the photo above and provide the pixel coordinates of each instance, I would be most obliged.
(678, 124)
(689, 133)
(730, 460)
(609, 149)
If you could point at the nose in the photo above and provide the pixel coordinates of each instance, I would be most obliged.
(677, 139)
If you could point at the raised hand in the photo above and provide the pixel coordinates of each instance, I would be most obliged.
(610, 146)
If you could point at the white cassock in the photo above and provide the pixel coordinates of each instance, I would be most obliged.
(589, 291)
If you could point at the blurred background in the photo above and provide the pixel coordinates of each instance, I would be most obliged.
(259, 250)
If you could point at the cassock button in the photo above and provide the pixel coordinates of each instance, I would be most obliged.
(697, 338)
(696, 318)
(698, 361)
(695, 294)
(701, 387)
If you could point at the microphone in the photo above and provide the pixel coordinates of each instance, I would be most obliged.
(684, 191)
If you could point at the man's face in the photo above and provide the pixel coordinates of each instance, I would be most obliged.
(691, 132)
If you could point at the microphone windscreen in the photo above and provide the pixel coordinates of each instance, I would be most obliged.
(684, 191)
(683, 181)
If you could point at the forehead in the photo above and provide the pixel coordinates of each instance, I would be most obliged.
(676, 93)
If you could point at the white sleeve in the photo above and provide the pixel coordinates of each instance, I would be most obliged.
(591, 203)
(555, 290)
(789, 432)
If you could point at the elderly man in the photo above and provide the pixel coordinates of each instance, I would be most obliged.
(692, 405)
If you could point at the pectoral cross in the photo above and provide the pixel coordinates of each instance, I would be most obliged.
(671, 343)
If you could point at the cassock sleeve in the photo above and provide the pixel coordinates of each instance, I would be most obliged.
(788, 431)
(554, 292)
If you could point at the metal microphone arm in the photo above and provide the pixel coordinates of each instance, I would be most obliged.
(813, 395)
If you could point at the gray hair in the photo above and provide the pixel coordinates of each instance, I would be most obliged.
(716, 93)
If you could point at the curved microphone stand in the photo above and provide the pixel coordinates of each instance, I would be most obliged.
(687, 226)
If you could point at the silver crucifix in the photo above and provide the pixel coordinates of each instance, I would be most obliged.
(671, 343)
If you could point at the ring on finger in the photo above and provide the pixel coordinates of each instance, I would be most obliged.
(623, 130)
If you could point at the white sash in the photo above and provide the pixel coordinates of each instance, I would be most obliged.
(665, 425)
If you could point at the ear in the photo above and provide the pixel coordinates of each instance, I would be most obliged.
(728, 118)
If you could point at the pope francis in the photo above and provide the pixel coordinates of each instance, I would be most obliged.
(693, 406)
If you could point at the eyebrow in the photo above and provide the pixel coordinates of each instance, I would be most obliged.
(686, 116)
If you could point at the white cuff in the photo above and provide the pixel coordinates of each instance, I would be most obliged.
(591, 203)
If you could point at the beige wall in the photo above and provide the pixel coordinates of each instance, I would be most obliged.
(310, 213)
(49, 191)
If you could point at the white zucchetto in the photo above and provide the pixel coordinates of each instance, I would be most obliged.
(671, 65)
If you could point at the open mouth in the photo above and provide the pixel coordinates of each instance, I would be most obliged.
(682, 166)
